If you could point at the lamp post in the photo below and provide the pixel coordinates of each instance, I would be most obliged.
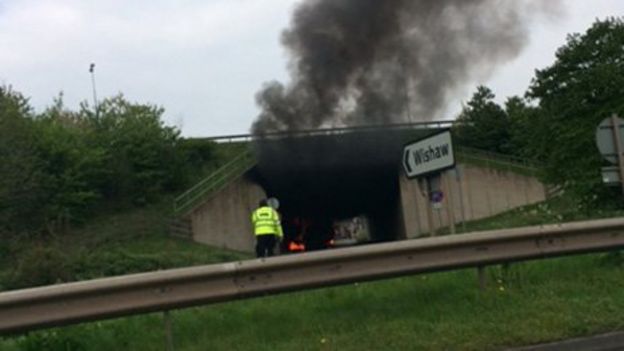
(403, 60)
(95, 103)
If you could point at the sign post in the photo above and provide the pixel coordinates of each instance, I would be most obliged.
(425, 159)
(451, 203)
(425, 188)
(615, 122)
(609, 137)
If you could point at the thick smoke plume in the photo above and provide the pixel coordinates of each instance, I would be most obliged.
(357, 62)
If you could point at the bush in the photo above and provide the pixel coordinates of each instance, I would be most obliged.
(56, 168)
(144, 157)
(115, 262)
(71, 165)
(40, 266)
(199, 151)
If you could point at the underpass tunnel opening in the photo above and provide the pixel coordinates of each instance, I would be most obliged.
(331, 185)
(316, 206)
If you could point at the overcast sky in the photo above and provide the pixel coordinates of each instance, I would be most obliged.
(202, 60)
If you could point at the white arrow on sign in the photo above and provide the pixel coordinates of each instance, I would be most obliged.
(433, 154)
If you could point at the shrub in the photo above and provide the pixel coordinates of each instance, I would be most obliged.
(40, 266)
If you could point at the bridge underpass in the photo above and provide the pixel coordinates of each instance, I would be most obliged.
(323, 179)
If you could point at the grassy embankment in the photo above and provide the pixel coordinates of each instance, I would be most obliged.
(528, 303)
(128, 242)
(120, 240)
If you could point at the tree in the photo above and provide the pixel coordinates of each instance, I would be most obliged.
(483, 124)
(20, 168)
(72, 165)
(521, 118)
(143, 156)
(59, 166)
(582, 87)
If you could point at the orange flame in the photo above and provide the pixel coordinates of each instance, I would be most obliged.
(294, 247)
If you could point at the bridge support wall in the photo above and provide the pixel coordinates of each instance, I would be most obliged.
(484, 192)
(223, 220)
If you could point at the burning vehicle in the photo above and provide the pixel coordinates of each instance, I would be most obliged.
(304, 234)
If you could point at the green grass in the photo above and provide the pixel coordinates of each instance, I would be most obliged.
(527, 303)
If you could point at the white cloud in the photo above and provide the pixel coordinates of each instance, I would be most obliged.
(58, 29)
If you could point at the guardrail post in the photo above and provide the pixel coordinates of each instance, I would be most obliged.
(168, 331)
(487, 191)
(462, 205)
(507, 274)
(482, 278)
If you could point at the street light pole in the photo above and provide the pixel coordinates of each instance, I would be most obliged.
(406, 87)
(403, 61)
(95, 102)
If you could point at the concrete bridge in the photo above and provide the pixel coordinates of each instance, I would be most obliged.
(344, 174)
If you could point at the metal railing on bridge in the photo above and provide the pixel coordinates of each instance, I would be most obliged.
(331, 131)
(497, 160)
(193, 197)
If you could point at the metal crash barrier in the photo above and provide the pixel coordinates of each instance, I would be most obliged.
(66, 304)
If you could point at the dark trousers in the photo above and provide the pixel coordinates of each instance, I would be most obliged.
(265, 245)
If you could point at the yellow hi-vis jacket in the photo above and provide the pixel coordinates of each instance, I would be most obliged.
(266, 221)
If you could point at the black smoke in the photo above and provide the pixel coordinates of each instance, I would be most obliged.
(375, 62)
(372, 62)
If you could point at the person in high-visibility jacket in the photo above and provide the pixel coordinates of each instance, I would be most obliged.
(267, 228)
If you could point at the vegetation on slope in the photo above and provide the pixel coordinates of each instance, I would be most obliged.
(87, 194)
(60, 168)
(128, 242)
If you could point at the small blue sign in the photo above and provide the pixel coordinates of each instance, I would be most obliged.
(437, 196)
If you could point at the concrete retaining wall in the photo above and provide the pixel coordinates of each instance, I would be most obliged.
(224, 219)
(484, 192)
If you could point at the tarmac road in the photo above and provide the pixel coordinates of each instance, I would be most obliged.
(605, 342)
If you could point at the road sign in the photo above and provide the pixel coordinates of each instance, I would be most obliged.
(429, 155)
(605, 138)
(437, 196)
(609, 138)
